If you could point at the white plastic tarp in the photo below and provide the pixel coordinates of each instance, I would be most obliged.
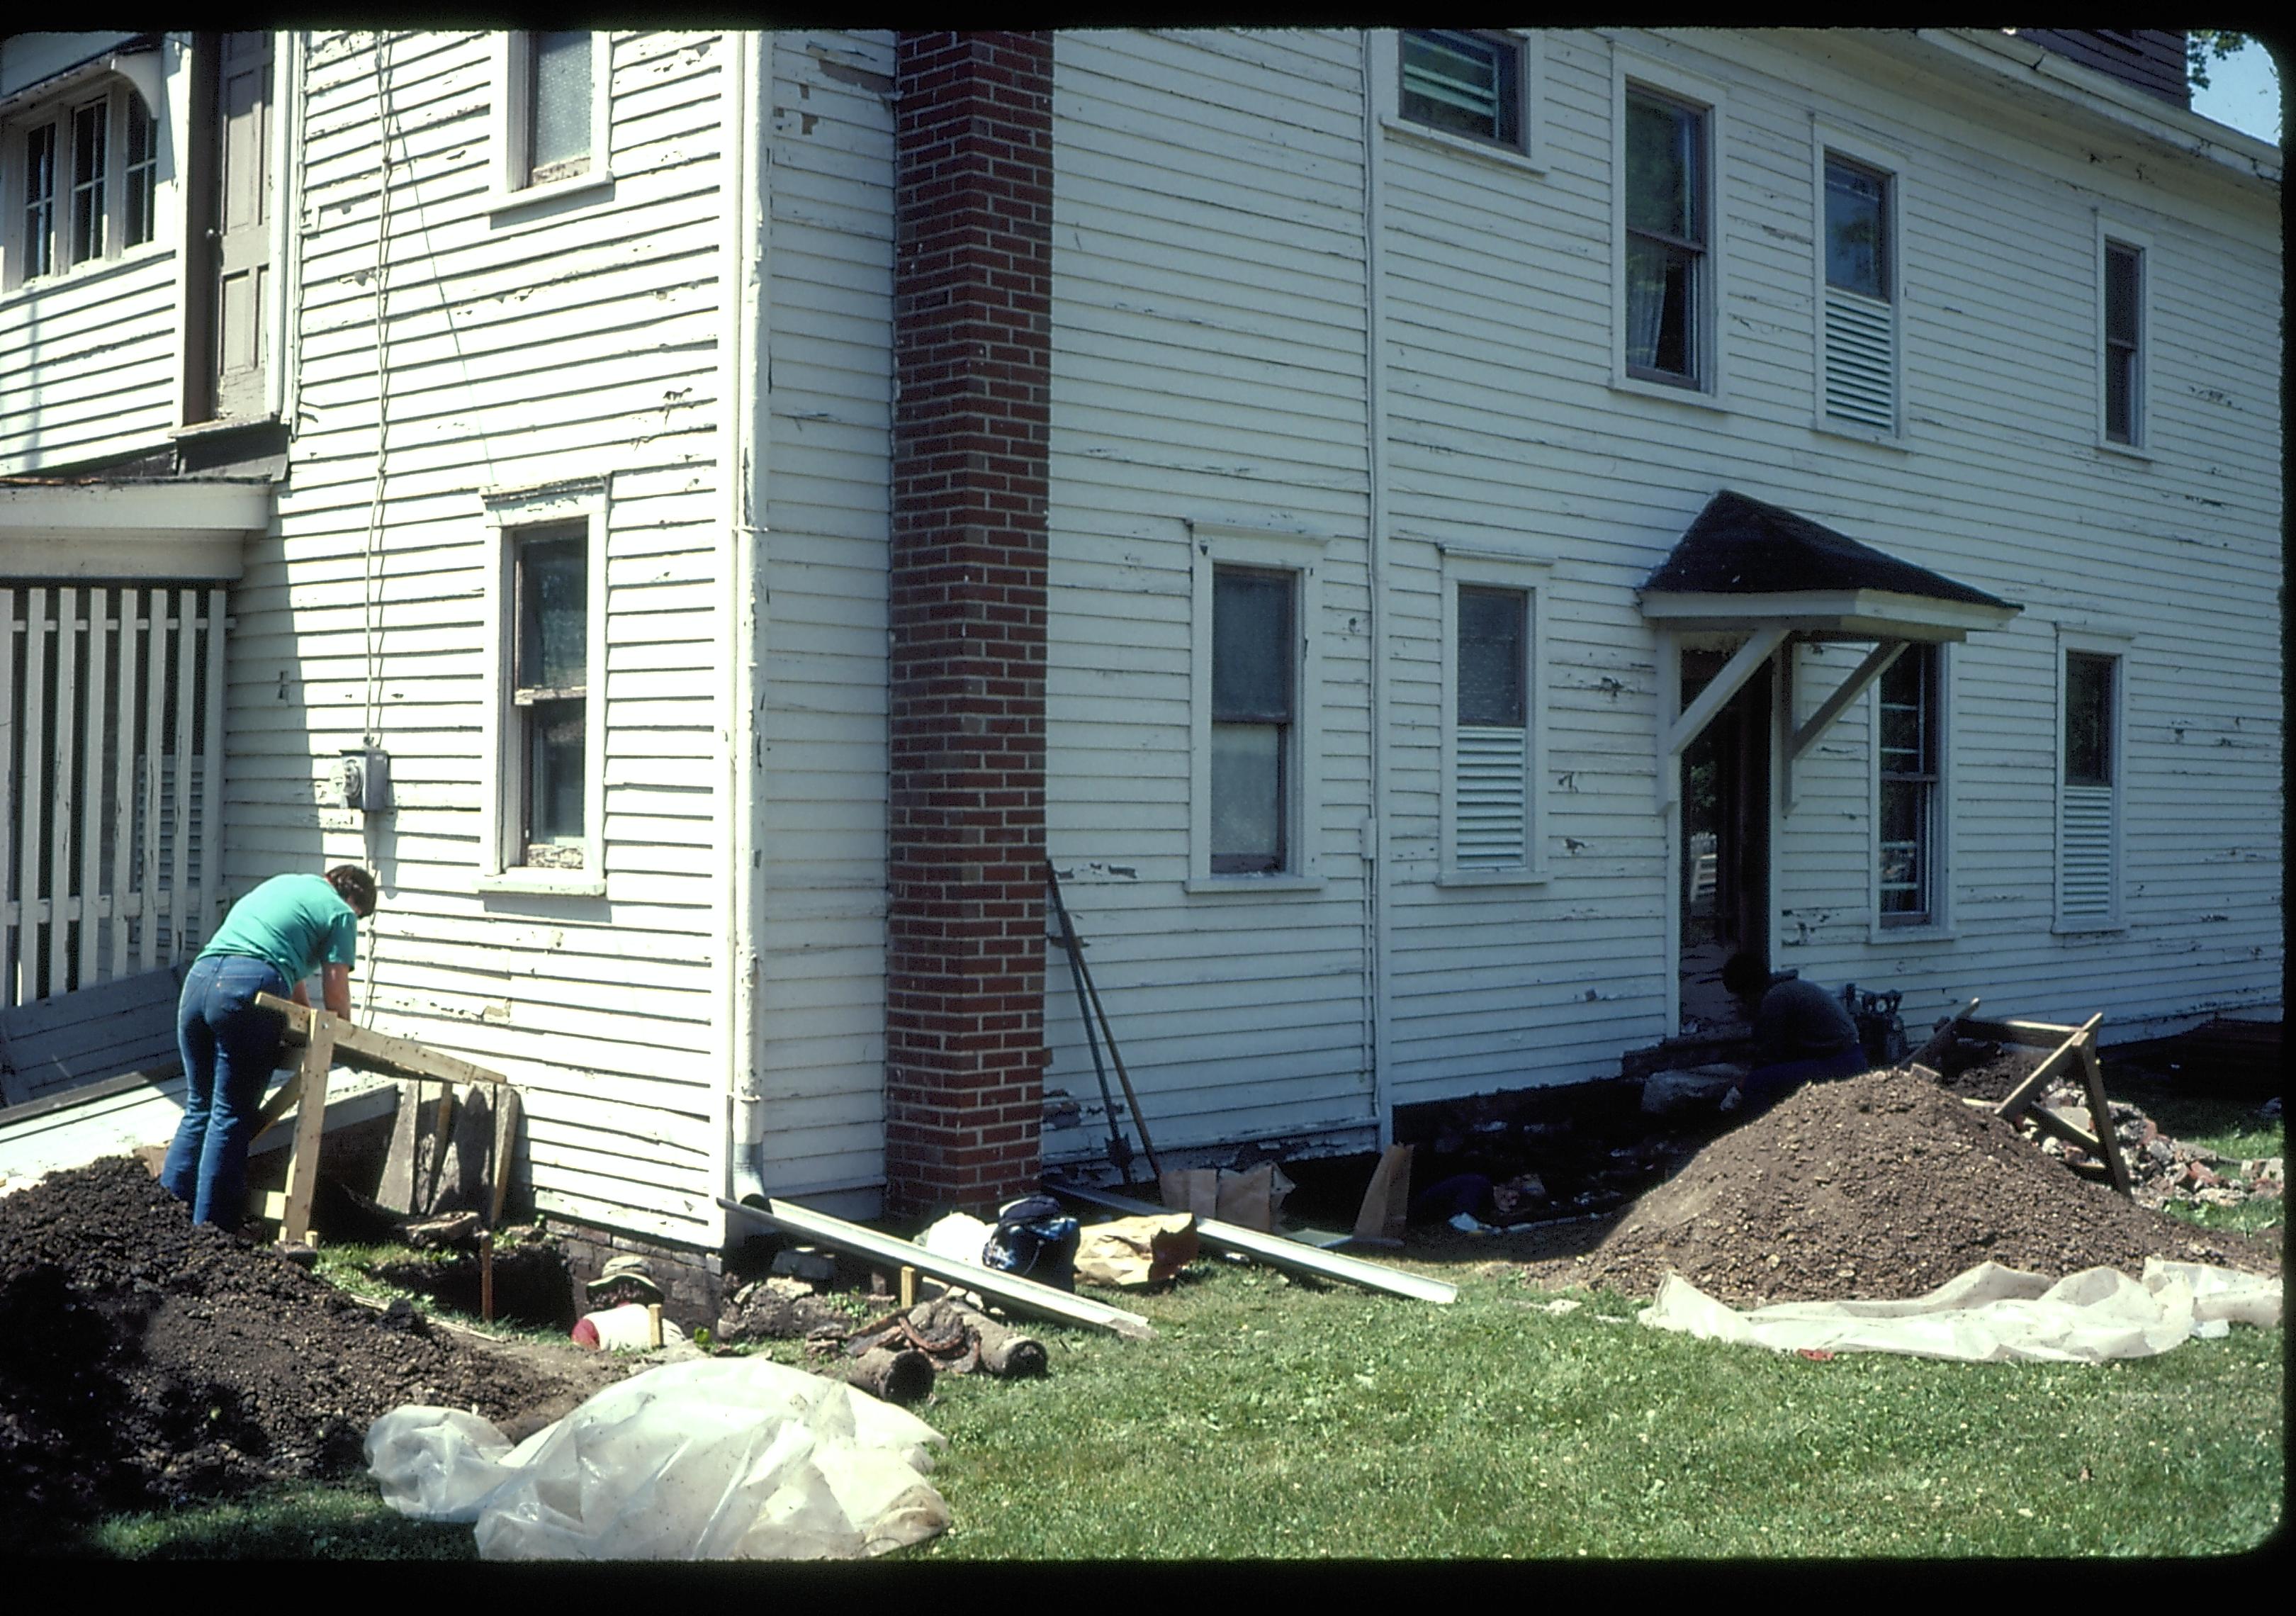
(1992, 1313)
(718, 1459)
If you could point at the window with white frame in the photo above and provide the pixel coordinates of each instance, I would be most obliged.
(1909, 799)
(1256, 671)
(2121, 330)
(1470, 84)
(81, 175)
(2088, 791)
(1490, 718)
(1859, 269)
(1666, 152)
(551, 119)
(546, 792)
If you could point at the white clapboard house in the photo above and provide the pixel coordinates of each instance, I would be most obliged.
(1436, 536)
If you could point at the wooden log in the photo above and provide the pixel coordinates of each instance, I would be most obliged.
(903, 1377)
(1005, 1353)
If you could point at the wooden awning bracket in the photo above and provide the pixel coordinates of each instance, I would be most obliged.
(1810, 731)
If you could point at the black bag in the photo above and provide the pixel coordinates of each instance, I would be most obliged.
(1035, 1239)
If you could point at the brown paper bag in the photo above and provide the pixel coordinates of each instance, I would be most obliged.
(1137, 1251)
(1387, 1203)
(1250, 1199)
(1192, 1189)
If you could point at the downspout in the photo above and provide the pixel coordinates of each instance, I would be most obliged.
(742, 319)
(1375, 831)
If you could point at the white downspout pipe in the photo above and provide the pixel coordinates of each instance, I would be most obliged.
(1375, 848)
(742, 459)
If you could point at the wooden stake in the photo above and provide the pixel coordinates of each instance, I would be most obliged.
(487, 1276)
(909, 1287)
(2100, 1114)
(653, 1323)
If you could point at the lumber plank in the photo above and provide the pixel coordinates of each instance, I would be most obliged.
(1279, 1251)
(2021, 1097)
(310, 1124)
(2039, 1034)
(363, 1049)
(1010, 1289)
(2100, 1112)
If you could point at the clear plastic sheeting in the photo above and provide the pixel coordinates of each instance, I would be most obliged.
(1992, 1314)
(719, 1459)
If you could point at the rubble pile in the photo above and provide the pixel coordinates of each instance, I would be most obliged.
(1881, 1185)
(2160, 1169)
(145, 1361)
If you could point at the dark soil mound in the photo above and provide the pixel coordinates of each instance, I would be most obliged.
(1880, 1186)
(145, 1361)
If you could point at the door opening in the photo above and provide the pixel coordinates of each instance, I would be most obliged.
(1725, 873)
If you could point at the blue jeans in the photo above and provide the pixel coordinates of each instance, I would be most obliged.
(230, 1048)
(1767, 1086)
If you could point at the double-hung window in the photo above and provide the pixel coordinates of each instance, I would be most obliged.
(1909, 804)
(551, 90)
(1492, 734)
(546, 787)
(1857, 322)
(81, 175)
(1668, 272)
(1255, 776)
(2088, 791)
(2122, 331)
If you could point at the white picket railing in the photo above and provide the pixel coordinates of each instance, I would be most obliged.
(112, 761)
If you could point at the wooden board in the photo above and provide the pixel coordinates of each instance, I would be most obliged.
(363, 1049)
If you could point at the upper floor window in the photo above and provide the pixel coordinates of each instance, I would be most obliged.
(1857, 331)
(82, 173)
(2124, 343)
(551, 125)
(1669, 273)
(1469, 84)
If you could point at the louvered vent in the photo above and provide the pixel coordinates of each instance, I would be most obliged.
(1860, 360)
(2085, 854)
(1492, 794)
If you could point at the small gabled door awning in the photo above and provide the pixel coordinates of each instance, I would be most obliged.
(1751, 570)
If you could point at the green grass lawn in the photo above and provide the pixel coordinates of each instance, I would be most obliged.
(1279, 1418)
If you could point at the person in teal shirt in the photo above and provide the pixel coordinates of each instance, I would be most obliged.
(290, 928)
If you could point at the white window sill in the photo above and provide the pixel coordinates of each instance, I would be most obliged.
(86, 274)
(550, 883)
(2087, 927)
(1833, 427)
(1883, 937)
(1490, 878)
(1696, 397)
(1251, 886)
(1504, 157)
(2125, 451)
(550, 191)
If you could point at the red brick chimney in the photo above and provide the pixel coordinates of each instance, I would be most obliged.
(964, 1044)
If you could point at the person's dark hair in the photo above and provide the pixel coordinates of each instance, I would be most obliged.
(355, 886)
(1746, 973)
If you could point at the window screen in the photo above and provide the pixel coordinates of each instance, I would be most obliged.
(1254, 656)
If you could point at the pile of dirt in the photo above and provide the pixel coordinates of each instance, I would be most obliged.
(1881, 1185)
(146, 1361)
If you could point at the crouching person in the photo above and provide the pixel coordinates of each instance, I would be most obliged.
(1803, 1033)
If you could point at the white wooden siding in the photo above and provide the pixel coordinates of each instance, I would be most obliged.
(829, 466)
(573, 339)
(1209, 363)
(87, 364)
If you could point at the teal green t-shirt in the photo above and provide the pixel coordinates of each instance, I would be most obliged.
(295, 923)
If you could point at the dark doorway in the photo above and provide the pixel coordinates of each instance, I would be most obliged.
(1725, 873)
